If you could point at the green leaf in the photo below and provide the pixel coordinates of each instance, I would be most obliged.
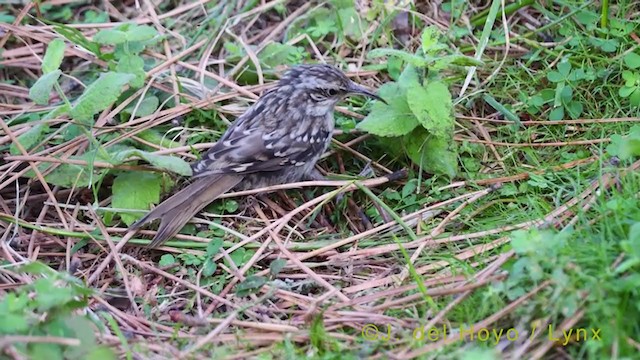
(250, 285)
(166, 260)
(557, 113)
(164, 162)
(50, 296)
(633, 244)
(214, 246)
(132, 64)
(625, 91)
(630, 78)
(155, 137)
(45, 351)
(99, 95)
(564, 67)
(625, 147)
(394, 119)
(276, 266)
(68, 175)
(110, 37)
(13, 324)
(435, 155)
(430, 44)
(41, 90)
(632, 60)
(135, 190)
(634, 99)
(433, 107)
(555, 76)
(29, 139)
(101, 353)
(209, 267)
(140, 33)
(146, 107)
(574, 109)
(53, 57)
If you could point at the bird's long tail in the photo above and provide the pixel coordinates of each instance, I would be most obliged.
(177, 210)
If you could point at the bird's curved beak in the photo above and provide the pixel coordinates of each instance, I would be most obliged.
(357, 89)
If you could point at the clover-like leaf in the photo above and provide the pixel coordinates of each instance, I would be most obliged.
(632, 60)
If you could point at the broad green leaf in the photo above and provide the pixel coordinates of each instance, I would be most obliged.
(276, 266)
(132, 64)
(214, 246)
(41, 90)
(50, 296)
(574, 109)
(209, 267)
(147, 106)
(433, 154)
(625, 147)
(164, 162)
(29, 139)
(250, 285)
(430, 44)
(53, 57)
(82, 330)
(394, 119)
(557, 113)
(634, 99)
(632, 60)
(633, 244)
(101, 353)
(432, 106)
(625, 91)
(99, 95)
(166, 260)
(68, 175)
(140, 33)
(350, 23)
(554, 76)
(45, 351)
(110, 37)
(155, 137)
(630, 78)
(135, 190)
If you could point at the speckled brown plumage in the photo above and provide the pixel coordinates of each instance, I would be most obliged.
(277, 140)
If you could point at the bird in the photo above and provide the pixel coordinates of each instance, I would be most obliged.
(277, 140)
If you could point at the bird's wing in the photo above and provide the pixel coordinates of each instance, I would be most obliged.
(244, 150)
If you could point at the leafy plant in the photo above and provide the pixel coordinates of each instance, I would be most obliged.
(564, 77)
(419, 110)
(131, 191)
(49, 307)
(631, 87)
(625, 147)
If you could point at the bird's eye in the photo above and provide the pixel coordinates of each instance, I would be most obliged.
(332, 92)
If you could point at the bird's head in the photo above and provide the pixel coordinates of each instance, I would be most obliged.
(324, 85)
